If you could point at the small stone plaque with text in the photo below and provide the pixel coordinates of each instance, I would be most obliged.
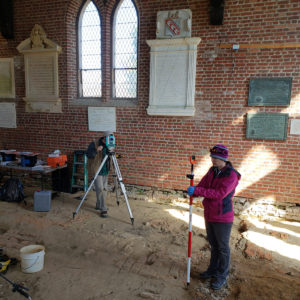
(267, 126)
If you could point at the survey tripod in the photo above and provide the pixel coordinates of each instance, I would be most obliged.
(111, 153)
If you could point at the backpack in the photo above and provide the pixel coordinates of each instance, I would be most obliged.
(12, 191)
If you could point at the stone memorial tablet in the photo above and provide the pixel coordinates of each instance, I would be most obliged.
(8, 115)
(7, 78)
(267, 126)
(102, 119)
(41, 72)
(172, 76)
(295, 126)
(270, 91)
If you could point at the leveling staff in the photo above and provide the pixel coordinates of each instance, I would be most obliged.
(96, 154)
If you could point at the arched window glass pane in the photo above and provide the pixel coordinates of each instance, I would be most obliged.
(90, 52)
(125, 51)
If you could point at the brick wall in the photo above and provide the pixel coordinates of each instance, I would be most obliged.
(155, 150)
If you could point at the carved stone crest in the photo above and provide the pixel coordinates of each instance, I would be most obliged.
(174, 23)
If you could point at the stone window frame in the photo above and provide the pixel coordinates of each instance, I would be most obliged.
(107, 98)
(79, 50)
(113, 68)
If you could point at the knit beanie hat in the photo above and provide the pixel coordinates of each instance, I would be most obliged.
(219, 151)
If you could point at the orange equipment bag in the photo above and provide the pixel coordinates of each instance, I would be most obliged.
(57, 161)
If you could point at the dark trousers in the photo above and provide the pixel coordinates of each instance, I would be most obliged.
(218, 235)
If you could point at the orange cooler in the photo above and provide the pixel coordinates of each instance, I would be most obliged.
(57, 161)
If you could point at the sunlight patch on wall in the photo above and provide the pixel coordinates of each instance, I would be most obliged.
(273, 244)
(240, 120)
(257, 163)
(201, 167)
(255, 205)
(294, 109)
(197, 221)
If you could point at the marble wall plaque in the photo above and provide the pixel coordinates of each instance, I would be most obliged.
(8, 115)
(172, 76)
(40, 76)
(295, 126)
(41, 72)
(270, 91)
(7, 78)
(102, 119)
(267, 126)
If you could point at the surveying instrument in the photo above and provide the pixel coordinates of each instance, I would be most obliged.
(110, 145)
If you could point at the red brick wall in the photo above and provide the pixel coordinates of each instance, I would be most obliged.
(155, 150)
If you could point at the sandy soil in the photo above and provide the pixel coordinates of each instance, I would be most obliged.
(94, 258)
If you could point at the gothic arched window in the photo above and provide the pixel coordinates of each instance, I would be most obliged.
(89, 50)
(125, 54)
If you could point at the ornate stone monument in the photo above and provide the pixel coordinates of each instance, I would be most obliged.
(173, 65)
(41, 72)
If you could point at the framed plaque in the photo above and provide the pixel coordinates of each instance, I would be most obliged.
(7, 78)
(8, 115)
(102, 119)
(172, 76)
(41, 72)
(267, 126)
(270, 91)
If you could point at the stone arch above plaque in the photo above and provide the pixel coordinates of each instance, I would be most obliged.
(41, 72)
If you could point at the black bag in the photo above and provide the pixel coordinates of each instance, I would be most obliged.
(12, 191)
(91, 151)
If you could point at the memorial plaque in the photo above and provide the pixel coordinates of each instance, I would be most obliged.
(41, 72)
(8, 115)
(7, 78)
(270, 91)
(102, 119)
(267, 126)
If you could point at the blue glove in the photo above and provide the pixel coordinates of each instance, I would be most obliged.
(190, 190)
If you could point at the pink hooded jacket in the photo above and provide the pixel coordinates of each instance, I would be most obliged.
(218, 187)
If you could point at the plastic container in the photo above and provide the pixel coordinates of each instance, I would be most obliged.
(32, 258)
(28, 160)
(57, 161)
(42, 200)
(9, 156)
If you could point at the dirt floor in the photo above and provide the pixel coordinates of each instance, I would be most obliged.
(94, 258)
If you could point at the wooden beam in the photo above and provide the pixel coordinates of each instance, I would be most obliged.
(259, 46)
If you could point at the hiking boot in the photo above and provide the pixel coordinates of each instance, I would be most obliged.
(206, 275)
(218, 283)
(103, 214)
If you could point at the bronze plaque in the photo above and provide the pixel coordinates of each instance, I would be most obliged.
(270, 91)
(267, 126)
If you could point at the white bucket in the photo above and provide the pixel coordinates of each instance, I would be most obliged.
(32, 258)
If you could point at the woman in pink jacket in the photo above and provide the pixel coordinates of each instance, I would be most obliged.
(218, 187)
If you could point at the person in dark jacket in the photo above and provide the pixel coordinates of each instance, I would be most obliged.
(96, 153)
(218, 188)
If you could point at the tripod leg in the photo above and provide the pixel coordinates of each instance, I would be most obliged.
(116, 187)
(90, 186)
(122, 186)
